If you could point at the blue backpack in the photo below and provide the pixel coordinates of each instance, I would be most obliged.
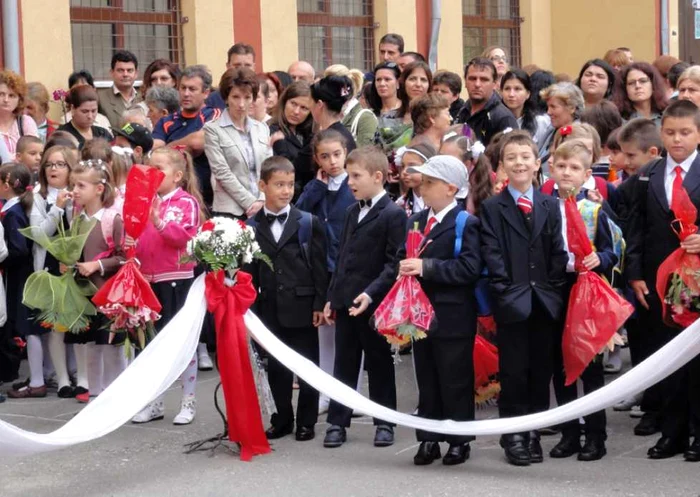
(483, 295)
(304, 235)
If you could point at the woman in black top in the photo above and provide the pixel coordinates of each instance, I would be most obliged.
(83, 101)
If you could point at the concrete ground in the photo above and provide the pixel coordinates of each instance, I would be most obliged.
(148, 460)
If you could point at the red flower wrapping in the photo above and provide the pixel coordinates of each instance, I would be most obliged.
(405, 313)
(595, 311)
(128, 288)
(485, 361)
(676, 279)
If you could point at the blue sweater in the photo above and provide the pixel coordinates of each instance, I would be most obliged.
(329, 207)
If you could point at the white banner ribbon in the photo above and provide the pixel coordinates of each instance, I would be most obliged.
(169, 354)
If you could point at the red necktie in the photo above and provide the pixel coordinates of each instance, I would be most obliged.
(677, 187)
(429, 226)
(525, 205)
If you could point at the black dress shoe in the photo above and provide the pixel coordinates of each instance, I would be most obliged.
(568, 446)
(666, 447)
(693, 452)
(593, 450)
(305, 433)
(516, 449)
(648, 425)
(427, 453)
(66, 392)
(335, 436)
(456, 454)
(384, 436)
(535, 449)
(275, 432)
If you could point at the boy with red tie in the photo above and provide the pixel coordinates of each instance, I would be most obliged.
(444, 359)
(651, 239)
(524, 252)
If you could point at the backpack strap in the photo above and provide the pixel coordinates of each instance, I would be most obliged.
(107, 226)
(460, 223)
(356, 122)
(305, 236)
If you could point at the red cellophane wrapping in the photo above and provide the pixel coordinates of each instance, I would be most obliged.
(127, 298)
(676, 279)
(595, 311)
(405, 313)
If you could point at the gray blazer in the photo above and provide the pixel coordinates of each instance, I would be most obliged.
(230, 172)
(112, 106)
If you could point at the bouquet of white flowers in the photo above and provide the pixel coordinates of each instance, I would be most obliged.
(225, 244)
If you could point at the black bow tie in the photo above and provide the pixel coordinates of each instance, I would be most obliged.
(271, 218)
(365, 203)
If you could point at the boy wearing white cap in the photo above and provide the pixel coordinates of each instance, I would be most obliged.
(447, 270)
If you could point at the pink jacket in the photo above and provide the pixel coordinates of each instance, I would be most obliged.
(160, 251)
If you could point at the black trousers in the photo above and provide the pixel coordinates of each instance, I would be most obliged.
(525, 364)
(305, 342)
(353, 335)
(445, 372)
(10, 355)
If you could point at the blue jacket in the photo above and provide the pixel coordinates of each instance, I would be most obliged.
(330, 208)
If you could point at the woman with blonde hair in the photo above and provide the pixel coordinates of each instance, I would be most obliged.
(362, 123)
(564, 105)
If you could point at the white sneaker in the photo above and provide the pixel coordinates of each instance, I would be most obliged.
(151, 412)
(636, 412)
(187, 411)
(204, 362)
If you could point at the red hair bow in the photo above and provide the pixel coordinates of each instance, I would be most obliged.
(565, 130)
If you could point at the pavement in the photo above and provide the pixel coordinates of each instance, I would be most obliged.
(148, 461)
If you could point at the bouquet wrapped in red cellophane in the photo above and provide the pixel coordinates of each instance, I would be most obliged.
(127, 298)
(595, 311)
(405, 314)
(678, 277)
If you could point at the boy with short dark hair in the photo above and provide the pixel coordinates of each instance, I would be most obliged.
(135, 137)
(291, 293)
(29, 150)
(524, 252)
(449, 85)
(375, 228)
(651, 240)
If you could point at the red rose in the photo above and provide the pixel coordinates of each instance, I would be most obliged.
(208, 225)
(565, 130)
(241, 224)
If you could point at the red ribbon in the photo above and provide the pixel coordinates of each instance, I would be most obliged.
(242, 408)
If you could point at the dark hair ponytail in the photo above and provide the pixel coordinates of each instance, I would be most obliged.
(19, 179)
(480, 182)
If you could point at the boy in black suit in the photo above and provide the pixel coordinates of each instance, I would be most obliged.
(374, 230)
(524, 252)
(651, 240)
(571, 169)
(291, 294)
(444, 359)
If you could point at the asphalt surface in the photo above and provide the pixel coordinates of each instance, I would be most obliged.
(148, 460)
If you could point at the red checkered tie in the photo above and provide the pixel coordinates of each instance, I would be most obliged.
(525, 205)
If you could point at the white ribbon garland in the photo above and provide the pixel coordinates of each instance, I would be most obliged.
(167, 357)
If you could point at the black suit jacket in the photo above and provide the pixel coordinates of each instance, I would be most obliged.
(524, 265)
(367, 255)
(448, 281)
(650, 238)
(292, 290)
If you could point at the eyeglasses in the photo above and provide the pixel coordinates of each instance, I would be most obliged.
(56, 165)
(498, 58)
(641, 81)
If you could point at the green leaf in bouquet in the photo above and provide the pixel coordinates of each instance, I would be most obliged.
(67, 245)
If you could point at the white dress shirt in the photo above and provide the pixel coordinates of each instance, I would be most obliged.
(365, 210)
(9, 204)
(671, 174)
(570, 265)
(441, 215)
(334, 184)
(278, 227)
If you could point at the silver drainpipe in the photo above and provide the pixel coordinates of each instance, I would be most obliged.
(435, 17)
(10, 29)
(664, 27)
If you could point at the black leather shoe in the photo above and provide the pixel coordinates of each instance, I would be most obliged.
(516, 449)
(666, 447)
(535, 448)
(456, 454)
(335, 436)
(568, 446)
(275, 432)
(427, 453)
(693, 452)
(648, 425)
(305, 433)
(384, 436)
(593, 450)
(66, 392)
